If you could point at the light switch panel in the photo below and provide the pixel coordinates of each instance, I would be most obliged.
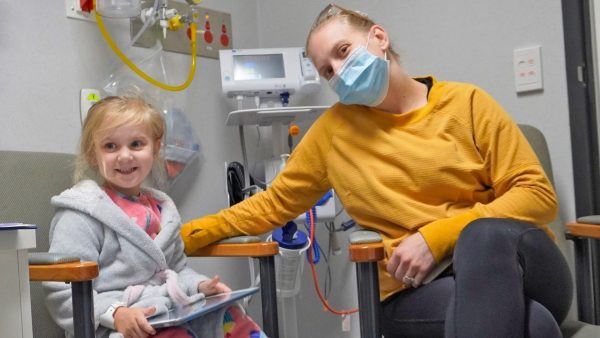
(528, 69)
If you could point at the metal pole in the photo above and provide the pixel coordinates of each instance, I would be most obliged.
(369, 306)
(268, 290)
(583, 278)
(83, 309)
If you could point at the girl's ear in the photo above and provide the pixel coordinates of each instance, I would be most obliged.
(156, 149)
(93, 159)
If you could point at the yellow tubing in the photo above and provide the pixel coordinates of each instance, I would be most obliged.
(138, 71)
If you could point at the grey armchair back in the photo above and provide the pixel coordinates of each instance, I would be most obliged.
(28, 180)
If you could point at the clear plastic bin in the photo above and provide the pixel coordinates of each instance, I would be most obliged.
(289, 264)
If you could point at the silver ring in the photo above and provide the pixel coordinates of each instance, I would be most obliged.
(408, 280)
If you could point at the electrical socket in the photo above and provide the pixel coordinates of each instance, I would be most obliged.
(73, 10)
(88, 97)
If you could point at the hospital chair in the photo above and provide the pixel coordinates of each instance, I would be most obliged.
(366, 250)
(264, 252)
(29, 179)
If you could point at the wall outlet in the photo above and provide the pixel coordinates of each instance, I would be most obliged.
(528, 69)
(87, 99)
(74, 11)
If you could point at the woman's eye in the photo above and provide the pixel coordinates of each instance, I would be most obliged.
(343, 51)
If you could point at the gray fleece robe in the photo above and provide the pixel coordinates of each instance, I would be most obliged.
(87, 224)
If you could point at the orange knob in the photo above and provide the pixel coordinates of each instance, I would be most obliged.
(294, 130)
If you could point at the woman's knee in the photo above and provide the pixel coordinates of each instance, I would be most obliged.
(490, 234)
(489, 244)
(494, 227)
(540, 322)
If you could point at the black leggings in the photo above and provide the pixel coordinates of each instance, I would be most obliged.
(509, 280)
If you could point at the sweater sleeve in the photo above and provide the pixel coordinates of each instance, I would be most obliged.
(521, 189)
(295, 189)
(73, 235)
(188, 278)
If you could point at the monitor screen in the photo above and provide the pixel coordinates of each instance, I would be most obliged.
(257, 67)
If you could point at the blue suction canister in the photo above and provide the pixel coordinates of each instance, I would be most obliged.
(288, 237)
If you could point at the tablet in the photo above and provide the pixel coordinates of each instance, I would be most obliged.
(182, 314)
(437, 270)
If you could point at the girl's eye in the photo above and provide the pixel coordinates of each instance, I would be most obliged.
(109, 146)
(137, 144)
(328, 73)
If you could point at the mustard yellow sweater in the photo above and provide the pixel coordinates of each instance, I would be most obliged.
(432, 170)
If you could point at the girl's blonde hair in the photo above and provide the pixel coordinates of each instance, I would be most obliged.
(110, 113)
(355, 19)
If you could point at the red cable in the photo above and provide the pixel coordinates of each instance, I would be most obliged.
(314, 273)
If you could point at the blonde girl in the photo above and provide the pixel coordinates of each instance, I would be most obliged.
(132, 231)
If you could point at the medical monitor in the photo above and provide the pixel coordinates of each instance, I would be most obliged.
(267, 72)
(258, 67)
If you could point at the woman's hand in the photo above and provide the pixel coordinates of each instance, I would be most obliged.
(131, 322)
(212, 286)
(411, 260)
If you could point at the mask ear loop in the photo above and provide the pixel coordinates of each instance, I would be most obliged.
(368, 40)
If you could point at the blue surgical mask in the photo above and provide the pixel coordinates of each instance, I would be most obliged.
(362, 79)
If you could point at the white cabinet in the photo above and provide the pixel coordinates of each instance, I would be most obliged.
(15, 315)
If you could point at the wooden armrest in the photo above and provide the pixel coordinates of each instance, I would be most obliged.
(584, 230)
(65, 272)
(260, 249)
(366, 252)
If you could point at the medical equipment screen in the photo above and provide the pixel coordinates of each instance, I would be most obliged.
(257, 67)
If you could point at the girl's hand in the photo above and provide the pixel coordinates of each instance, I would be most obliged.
(411, 260)
(212, 286)
(132, 322)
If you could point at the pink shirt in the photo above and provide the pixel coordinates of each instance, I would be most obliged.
(143, 210)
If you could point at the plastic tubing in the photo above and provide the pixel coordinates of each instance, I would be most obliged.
(311, 222)
(314, 274)
(138, 71)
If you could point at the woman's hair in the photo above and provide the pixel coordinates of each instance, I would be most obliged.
(106, 115)
(355, 19)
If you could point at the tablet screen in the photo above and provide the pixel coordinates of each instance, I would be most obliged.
(181, 314)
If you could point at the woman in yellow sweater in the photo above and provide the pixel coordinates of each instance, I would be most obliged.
(440, 170)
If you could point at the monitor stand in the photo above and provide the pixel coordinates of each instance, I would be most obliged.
(268, 116)
(278, 118)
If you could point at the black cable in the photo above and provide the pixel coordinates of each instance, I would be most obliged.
(235, 182)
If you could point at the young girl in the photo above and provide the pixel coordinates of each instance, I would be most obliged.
(131, 231)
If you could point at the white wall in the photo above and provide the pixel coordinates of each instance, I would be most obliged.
(45, 59)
